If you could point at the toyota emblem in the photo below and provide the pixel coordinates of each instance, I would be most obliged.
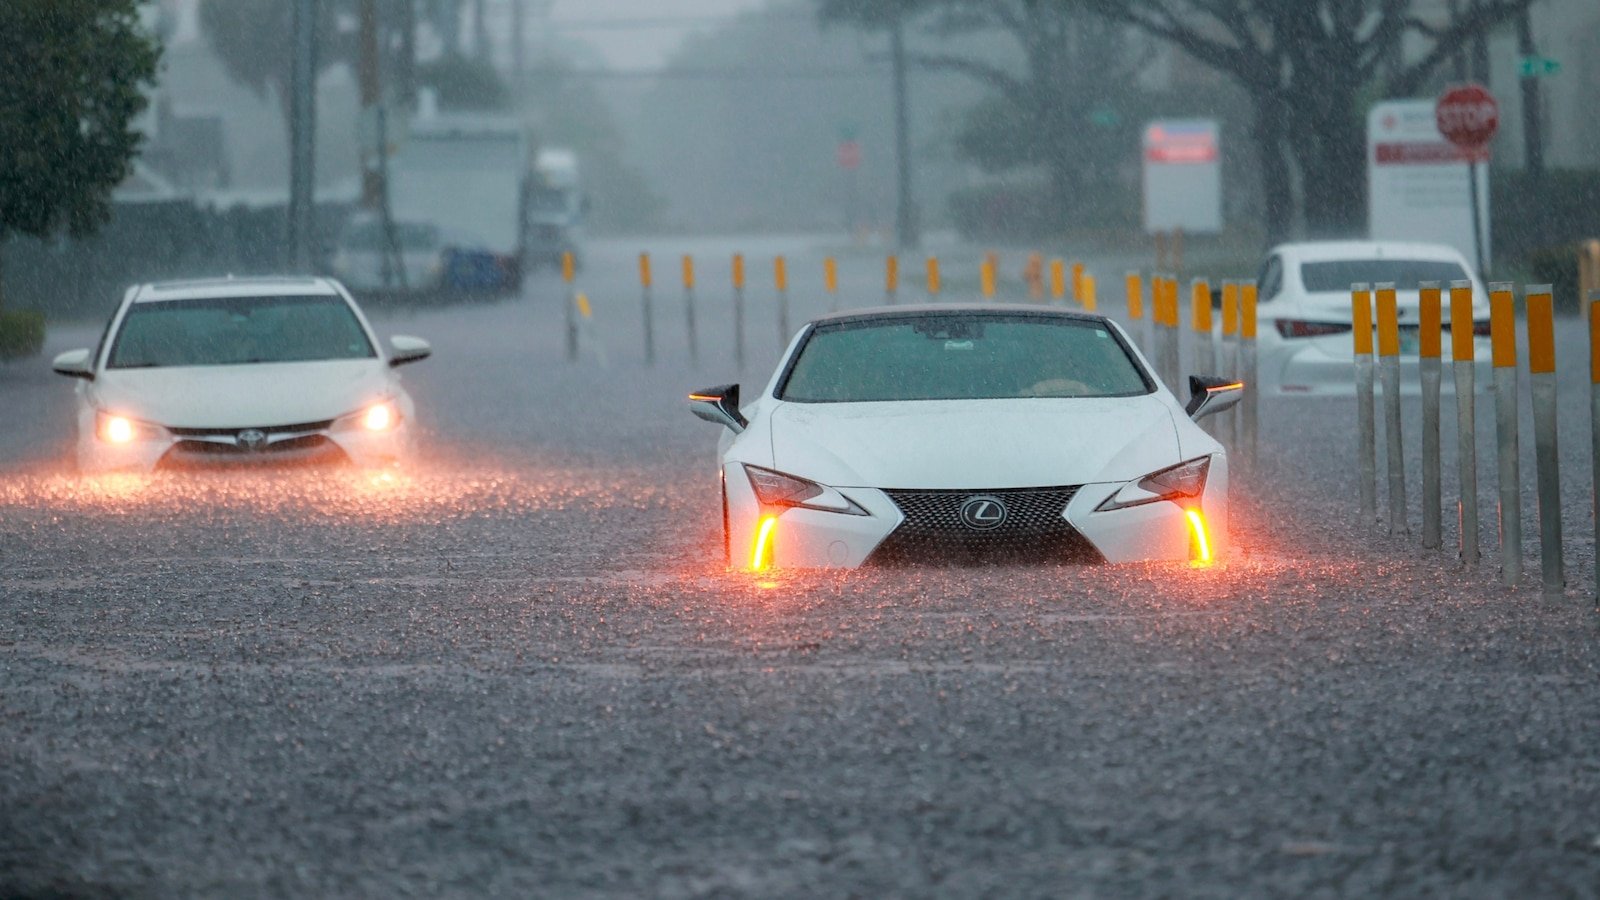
(252, 439)
(983, 513)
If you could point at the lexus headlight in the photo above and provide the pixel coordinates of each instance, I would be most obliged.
(1184, 481)
(780, 491)
(115, 429)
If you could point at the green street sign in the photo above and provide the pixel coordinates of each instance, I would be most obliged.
(1538, 67)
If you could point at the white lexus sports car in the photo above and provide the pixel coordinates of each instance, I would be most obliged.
(968, 434)
(240, 371)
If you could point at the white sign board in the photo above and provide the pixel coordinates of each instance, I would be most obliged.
(1182, 176)
(1417, 181)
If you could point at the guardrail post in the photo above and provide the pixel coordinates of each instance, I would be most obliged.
(1546, 455)
(780, 280)
(688, 308)
(1247, 347)
(1464, 356)
(891, 279)
(1429, 349)
(1594, 424)
(1389, 375)
(569, 268)
(1508, 467)
(646, 302)
(738, 310)
(1366, 427)
(830, 282)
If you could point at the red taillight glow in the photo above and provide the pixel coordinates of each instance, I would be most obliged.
(1200, 545)
(1295, 328)
(761, 549)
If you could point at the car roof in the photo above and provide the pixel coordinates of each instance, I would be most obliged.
(209, 288)
(1328, 251)
(913, 310)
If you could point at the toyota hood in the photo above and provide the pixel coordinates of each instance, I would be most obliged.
(970, 444)
(244, 396)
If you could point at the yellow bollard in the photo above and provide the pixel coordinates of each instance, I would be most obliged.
(1546, 453)
(933, 278)
(987, 278)
(647, 313)
(1135, 296)
(1033, 274)
(1205, 351)
(1366, 425)
(891, 278)
(688, 308)
(1090, 302)
(1077, 283)
(1508, 468)
(738, 309)
(1430, 346)
(1248, 364)
(830, 282)
(1464, 355)
(569, 272)
(1058, 280)
(780, 280)
(1389, 375)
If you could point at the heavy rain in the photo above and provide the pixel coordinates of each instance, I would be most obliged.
(359, 537)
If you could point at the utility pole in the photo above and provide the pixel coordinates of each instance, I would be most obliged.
(371, 97)
(905, 212)
(1532, 113)
(519, 39)
(302, 136)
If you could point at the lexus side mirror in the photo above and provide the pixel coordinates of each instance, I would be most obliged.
(74, 364)
(408, 350)
(1209, 395)
(719, 405)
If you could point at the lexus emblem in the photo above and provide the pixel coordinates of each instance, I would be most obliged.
(252, 439)
(983, 513)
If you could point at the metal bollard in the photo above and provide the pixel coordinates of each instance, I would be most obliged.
(891, 279)
(1172, 350)
(1594, 423)
(1251, 407)
(738, 310)
(1429, 350)
(1229, 426)
(646, 303)
(569, 273)
(1134, 291)
(1546, 456)
(1464, 356)
(1077, 283)
(1091, 302)
(830, 282)
(933, 279)
(1389, 377)
(987, 279)
(1503, 338)
(688, 308)
(1058, 280)
(780, 280)
(1204, 361)
(1366, 427)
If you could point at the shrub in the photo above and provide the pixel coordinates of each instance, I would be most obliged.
(21, 333)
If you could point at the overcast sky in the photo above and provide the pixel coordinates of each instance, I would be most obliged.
(640, 34)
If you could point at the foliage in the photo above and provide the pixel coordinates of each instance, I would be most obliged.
(21, 333)
(464, 84)
(70, 89)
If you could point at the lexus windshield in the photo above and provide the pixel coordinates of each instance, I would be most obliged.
(961, 357)
(229, 331)
(1406, 274)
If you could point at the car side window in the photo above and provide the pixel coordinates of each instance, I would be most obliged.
(1271, 277)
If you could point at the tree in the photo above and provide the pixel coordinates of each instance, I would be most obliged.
(69, 92)
(1310, 67)
(1071, 66)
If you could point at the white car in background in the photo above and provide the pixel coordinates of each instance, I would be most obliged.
(240, 371)
(967, 434)
(1304, 313)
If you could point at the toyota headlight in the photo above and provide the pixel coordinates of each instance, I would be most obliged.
(776, 490)
(117, 429)
(378, 418)
(1182, 482)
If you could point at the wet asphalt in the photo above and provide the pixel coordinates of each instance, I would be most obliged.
(519, 668)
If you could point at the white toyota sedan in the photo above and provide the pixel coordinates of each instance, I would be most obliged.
(1305, 317)
(960, 434)
(240, 371)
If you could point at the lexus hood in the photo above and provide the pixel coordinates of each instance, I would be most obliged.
(968, 444)
(245, 396)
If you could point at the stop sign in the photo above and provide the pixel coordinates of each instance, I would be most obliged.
(1468, 117)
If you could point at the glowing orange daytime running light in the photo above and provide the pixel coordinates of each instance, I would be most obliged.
(761, 552)
(704, 398)
(1202, 543)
